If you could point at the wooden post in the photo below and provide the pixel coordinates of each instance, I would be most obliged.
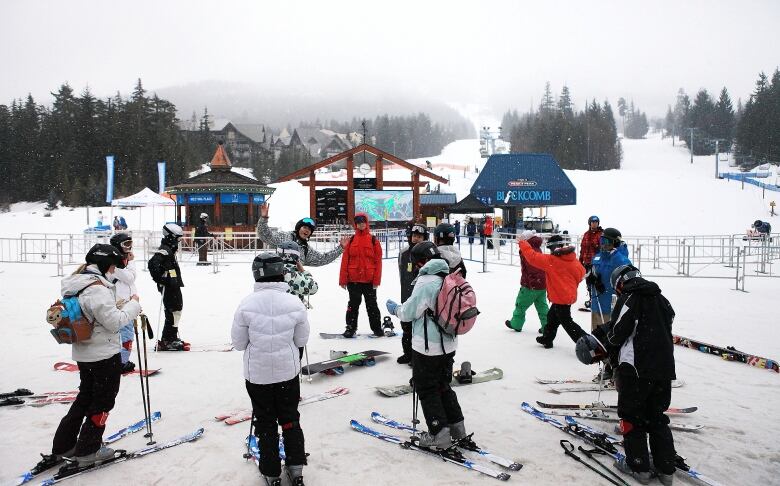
(379, 173)
(416, 192)
(250, 210)
(350, 190)
(312, 197)
(218, 209)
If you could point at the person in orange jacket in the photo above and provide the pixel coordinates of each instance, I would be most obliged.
(361, 274)
(564, 273)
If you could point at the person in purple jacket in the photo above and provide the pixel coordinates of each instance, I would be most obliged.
(533, 290)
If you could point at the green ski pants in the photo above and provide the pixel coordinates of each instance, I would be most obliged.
(525, 298)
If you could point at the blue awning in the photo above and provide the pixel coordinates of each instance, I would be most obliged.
(529, 180)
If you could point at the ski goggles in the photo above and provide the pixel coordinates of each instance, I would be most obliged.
(309, 222)
(127, 245)
(604, 240)
(360, 219)
(419, 229)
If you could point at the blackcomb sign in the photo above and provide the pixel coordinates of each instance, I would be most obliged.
(531, 180)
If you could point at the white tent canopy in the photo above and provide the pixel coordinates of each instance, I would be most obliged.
(146, 197)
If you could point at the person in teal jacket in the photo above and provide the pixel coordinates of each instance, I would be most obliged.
(433, 351)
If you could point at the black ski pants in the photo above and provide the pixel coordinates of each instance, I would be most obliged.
(172, 302)
(431, 376)
(641, 407)
(276, 405)
(97, 392)
(358, 291)
(406, 338)
(560, 315)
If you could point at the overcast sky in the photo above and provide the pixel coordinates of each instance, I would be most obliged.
(483, 52)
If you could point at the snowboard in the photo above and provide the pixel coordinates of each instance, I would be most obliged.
(73, 367)
(329, 335)
(337, 363)
(728, 353)
(481, 377)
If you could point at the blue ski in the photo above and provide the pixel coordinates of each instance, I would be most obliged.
(448, 455)
(511, 465)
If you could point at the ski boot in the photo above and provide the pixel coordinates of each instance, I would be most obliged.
(128, 367)
(440, 440)
(272, 481)
(642, 477)
(295, 474)
(349, 332)
(387, 327)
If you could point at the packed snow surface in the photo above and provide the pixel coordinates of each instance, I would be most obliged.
(657, 192)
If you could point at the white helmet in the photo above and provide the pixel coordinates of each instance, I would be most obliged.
(172, 229)
(204, 216)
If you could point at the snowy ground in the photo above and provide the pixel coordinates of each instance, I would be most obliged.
(657, 192)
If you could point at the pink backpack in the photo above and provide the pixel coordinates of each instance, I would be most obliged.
(456, 306)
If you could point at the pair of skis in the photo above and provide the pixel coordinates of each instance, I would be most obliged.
(121, 433)
(572, 385)
(453, 455)
(604, 441)
(238, 416)
(24, 397)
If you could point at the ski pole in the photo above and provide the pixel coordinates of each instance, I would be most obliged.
(145, 321)
(415, 421)
(569, 451)
(147, 413)
(306, 352)
(590, 453)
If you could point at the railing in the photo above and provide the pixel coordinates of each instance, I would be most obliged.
(692, 256)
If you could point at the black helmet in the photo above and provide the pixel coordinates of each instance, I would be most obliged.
(589, 350)
(308, 222)
(417, 228)
(757, 223)
(266, 265)
(613, 236)
(424, 251)
(623, 274)
(122, 242)
(104, 256)
(289, 251)
(446, 232)
(555, 241)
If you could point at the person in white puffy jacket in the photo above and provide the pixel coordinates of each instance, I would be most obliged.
(271, 327)
(80, 432)
(125, 288)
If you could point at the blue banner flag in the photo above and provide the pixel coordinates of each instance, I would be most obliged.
(161, 176)
(109, 178)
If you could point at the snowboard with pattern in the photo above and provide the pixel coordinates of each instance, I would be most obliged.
(728, 353)
(356, 358)
(73, 367)
(481, 377)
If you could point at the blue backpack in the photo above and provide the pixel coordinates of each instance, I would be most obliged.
(70, 324)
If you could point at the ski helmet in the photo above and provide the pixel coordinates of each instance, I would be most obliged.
(589, 350)
(289, 251)
(308, 222)
(267, 265)
(122, 242)
(416, 228)
(594, 219)
(623, 274)
(172, 230)
(612, 236)
(555, 241)
(104, 256)
(204, 216)
(424, 251)
(445, 232)
(757, 223)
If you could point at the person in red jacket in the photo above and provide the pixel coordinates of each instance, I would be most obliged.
(361, 274)
(489, 232)
(533, 290)
(564, 274)
(590, 245)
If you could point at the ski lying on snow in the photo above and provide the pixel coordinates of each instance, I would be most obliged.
(122, 456)
(73, 367)
(451, 455)
(602, 406)
(334, 335)
(242, 415)
(585, 387)
(604, 441)
(602, 415)
(511, 465)
(130, 429)
(728, 353)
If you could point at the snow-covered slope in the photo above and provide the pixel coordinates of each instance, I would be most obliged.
(657, 192)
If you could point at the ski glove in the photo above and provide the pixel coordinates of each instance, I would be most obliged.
(526, 235)
(391, 306)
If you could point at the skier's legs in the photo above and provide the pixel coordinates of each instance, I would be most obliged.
(67, 432)
(173, 303)
(126, 335)
(448, 397)
(266, 428)
(355, 297)
(661, 440)
(553, 321)
(523, 301)
(374, 316)
(572, 328)
(105, 386)
(406, 338)
(287, 395)
(426, 373)
(632, 394)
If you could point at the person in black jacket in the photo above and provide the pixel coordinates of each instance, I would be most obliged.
(165, 271)
(407, 272)
(638, 339)
(202, 238)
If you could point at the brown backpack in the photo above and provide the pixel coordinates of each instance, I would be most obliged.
(70, 324)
